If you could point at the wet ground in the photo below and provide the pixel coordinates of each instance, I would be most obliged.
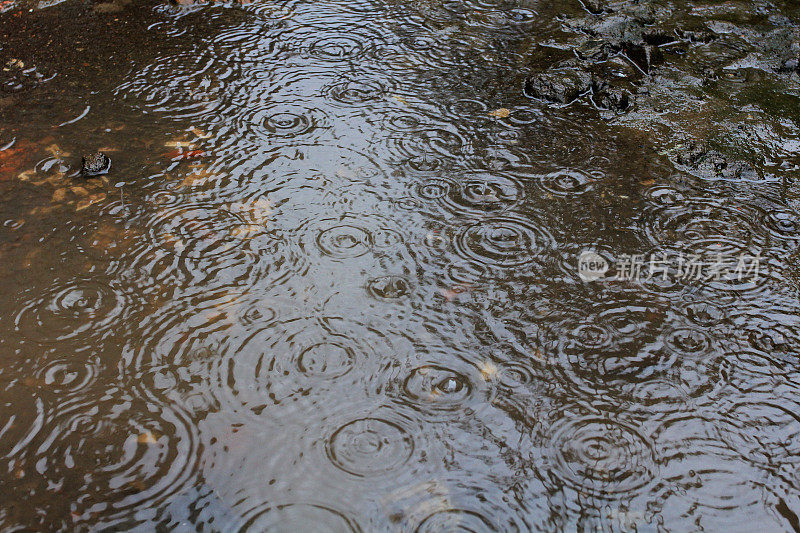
(377, 265)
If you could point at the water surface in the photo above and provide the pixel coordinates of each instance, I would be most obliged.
(331, 282)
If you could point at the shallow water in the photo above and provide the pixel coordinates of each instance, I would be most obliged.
(331, 283)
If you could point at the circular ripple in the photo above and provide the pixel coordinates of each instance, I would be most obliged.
(52, 167)
(370, 447)
(503, 242)
(689, 342)
(293, 517)
(751, 371)
(70, 311)
(389, 287)
(523, 115)
(199, 231)
(600, 456)
(295, 362)
(437, 387)
(347, 237)
(336, 48)
(188, 85)
(698, 220)
(431, 141)
(22, 416)
(355, 92)
(405, 122)
(326, 359)
(286, 124)
(482, 192)
(783, 224)
(705, 314)
(345, 241)
(466, 107)
(434, 189)
(441, 393)
(68, 375)
(766, 432)
(517, 376)
(566, 182)
(616, 345)
(455, 520)
(141, 454)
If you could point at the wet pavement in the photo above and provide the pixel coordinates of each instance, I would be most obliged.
(376, 265)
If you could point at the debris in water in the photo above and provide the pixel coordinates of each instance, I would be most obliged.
(488, 370)
(500, 113)
(95, 164)
(147, 438)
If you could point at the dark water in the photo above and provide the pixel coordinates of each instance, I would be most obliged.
(331, 281)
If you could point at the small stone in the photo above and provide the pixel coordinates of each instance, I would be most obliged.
(613, 99)
(95, 164)
(559, 86)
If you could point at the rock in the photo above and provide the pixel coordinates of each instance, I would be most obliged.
(560, 86)
(596, 7)
(95, 164)
(790, 65)
(697, 36)
(691, 152)
(613, 99)
(595, 49)
(643, 56)
(710, 164)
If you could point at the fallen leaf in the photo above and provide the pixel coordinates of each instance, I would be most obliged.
(56, 151)
(59, 195)
(453, 292)
(200, 133)
(200, 175)
(37, 211)
(259, 211)
(647, 183)
(246, 232)
(399, 99)
(179, 144)
(27, 175)
(80, 191)
(488, 370)
(181, 155)
(91, 200)
(147, 438)
(500, 113)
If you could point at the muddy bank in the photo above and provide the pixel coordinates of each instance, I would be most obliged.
(715, 84)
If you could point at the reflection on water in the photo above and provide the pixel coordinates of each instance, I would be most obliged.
(332, 283)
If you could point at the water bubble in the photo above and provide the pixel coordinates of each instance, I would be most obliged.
(389, 287)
